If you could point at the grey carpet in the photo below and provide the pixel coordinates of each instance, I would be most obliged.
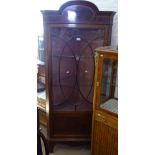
(61, 149)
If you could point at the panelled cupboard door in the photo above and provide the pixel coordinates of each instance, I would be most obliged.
(105, 134)
(71, 35)
(105, 103)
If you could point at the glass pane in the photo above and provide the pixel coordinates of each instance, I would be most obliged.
(109, 86)
(116, 84)
(106, 78)
(73, 67)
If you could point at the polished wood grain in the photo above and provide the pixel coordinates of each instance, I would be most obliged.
(41, 71)
(42, 117)
(41, 102)
(104, 139)
(69, 47)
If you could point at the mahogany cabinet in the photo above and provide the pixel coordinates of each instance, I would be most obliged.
(70, 35)
(105, 103)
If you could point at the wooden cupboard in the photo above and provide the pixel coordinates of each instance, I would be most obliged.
(70, 35)
(105, 103)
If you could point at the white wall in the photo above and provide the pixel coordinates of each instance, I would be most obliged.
(110, 5)
(103, 5)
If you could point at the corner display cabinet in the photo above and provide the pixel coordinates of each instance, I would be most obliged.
(105, 104)
(71, 34)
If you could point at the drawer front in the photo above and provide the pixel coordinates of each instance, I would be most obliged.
(106, 119)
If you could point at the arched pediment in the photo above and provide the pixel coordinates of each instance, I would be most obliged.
(77, 12)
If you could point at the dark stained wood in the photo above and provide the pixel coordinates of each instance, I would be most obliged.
(87, 13)
(69, 121)
(70, 68)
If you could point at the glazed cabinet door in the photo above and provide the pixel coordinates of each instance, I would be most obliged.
(72, 67)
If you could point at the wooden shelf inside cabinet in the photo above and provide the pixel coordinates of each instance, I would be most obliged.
(40, 77)
(105, 105)
(41, 94)
(73, 56)
(41, 70)
(41, 104)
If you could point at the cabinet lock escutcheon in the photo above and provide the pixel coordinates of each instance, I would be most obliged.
(97, 84)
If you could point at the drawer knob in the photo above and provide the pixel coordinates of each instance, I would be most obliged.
(103, 118)
(99, 114)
